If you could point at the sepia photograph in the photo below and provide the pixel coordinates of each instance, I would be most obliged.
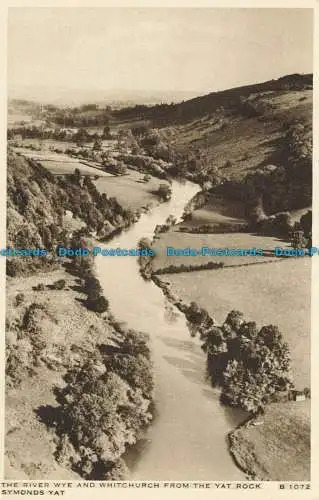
(159, 244)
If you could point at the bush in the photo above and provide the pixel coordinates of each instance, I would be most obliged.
(307, 392)
(100, 304)
(59, 285)
(101, 413)
(19, 299)
(252, 367)
(164, 191)
(39, 288)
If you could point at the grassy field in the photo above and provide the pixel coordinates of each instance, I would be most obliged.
(130, 190)
(279, 449)
(217, 210)
(177, 239)
(60, 163)
(272, 293)
(68, 167)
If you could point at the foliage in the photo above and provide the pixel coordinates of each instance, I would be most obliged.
(100, 304)
(59, 285)
(104, 405)
(36, 205)
(250, 366)
(164, 191)
(19, 299)
(186, 268)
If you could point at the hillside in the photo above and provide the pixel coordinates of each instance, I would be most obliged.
(79, 383)
(229, 134)
(36, 206)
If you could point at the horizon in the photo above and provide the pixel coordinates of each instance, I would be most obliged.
(158, 50)
(150, 93)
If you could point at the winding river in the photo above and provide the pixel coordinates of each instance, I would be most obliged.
(188, 438)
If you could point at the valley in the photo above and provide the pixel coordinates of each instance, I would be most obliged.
(230, 169)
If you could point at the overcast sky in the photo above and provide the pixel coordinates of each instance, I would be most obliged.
(198, 50)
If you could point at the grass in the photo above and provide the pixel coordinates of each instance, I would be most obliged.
(216, 211)
(130, 190)
(279, 449)
(60, 163)
(68, 167)
(274, 293)
(234, 240)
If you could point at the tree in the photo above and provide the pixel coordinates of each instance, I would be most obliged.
(106, 132)
(234, 319)
(259, 370)
(81, 137)
(306, 223)
(196, 314)
(298, 239)
(120, 168)
(97, 146)
(77, 176)
(164, 191)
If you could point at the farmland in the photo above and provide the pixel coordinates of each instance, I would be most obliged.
(275, 293)
(234, 240)
(259, 449)
(130, 190)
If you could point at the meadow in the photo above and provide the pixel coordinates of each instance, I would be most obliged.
(259, 449)
(130, 190)
(230, 240)
(276, 293)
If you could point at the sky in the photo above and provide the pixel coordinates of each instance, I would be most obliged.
(164, 49)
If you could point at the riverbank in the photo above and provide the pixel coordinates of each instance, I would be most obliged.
(70, 339)
(181, 444)
(274, 446)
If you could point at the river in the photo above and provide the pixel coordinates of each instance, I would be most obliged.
(188, 438)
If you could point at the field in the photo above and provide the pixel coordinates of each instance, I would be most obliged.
(279, 447)
(130, 190)
(272, 293)
(60, 164)
(231, 240)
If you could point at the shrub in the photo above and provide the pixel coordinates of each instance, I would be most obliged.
(99, 304)
(59, 285)
(307, 392)
(164, 191)
(19, 299)
(136, 370)
(39, 288)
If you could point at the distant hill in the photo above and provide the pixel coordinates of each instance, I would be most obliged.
(234, 131)
(163, 115)
(118, 98)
